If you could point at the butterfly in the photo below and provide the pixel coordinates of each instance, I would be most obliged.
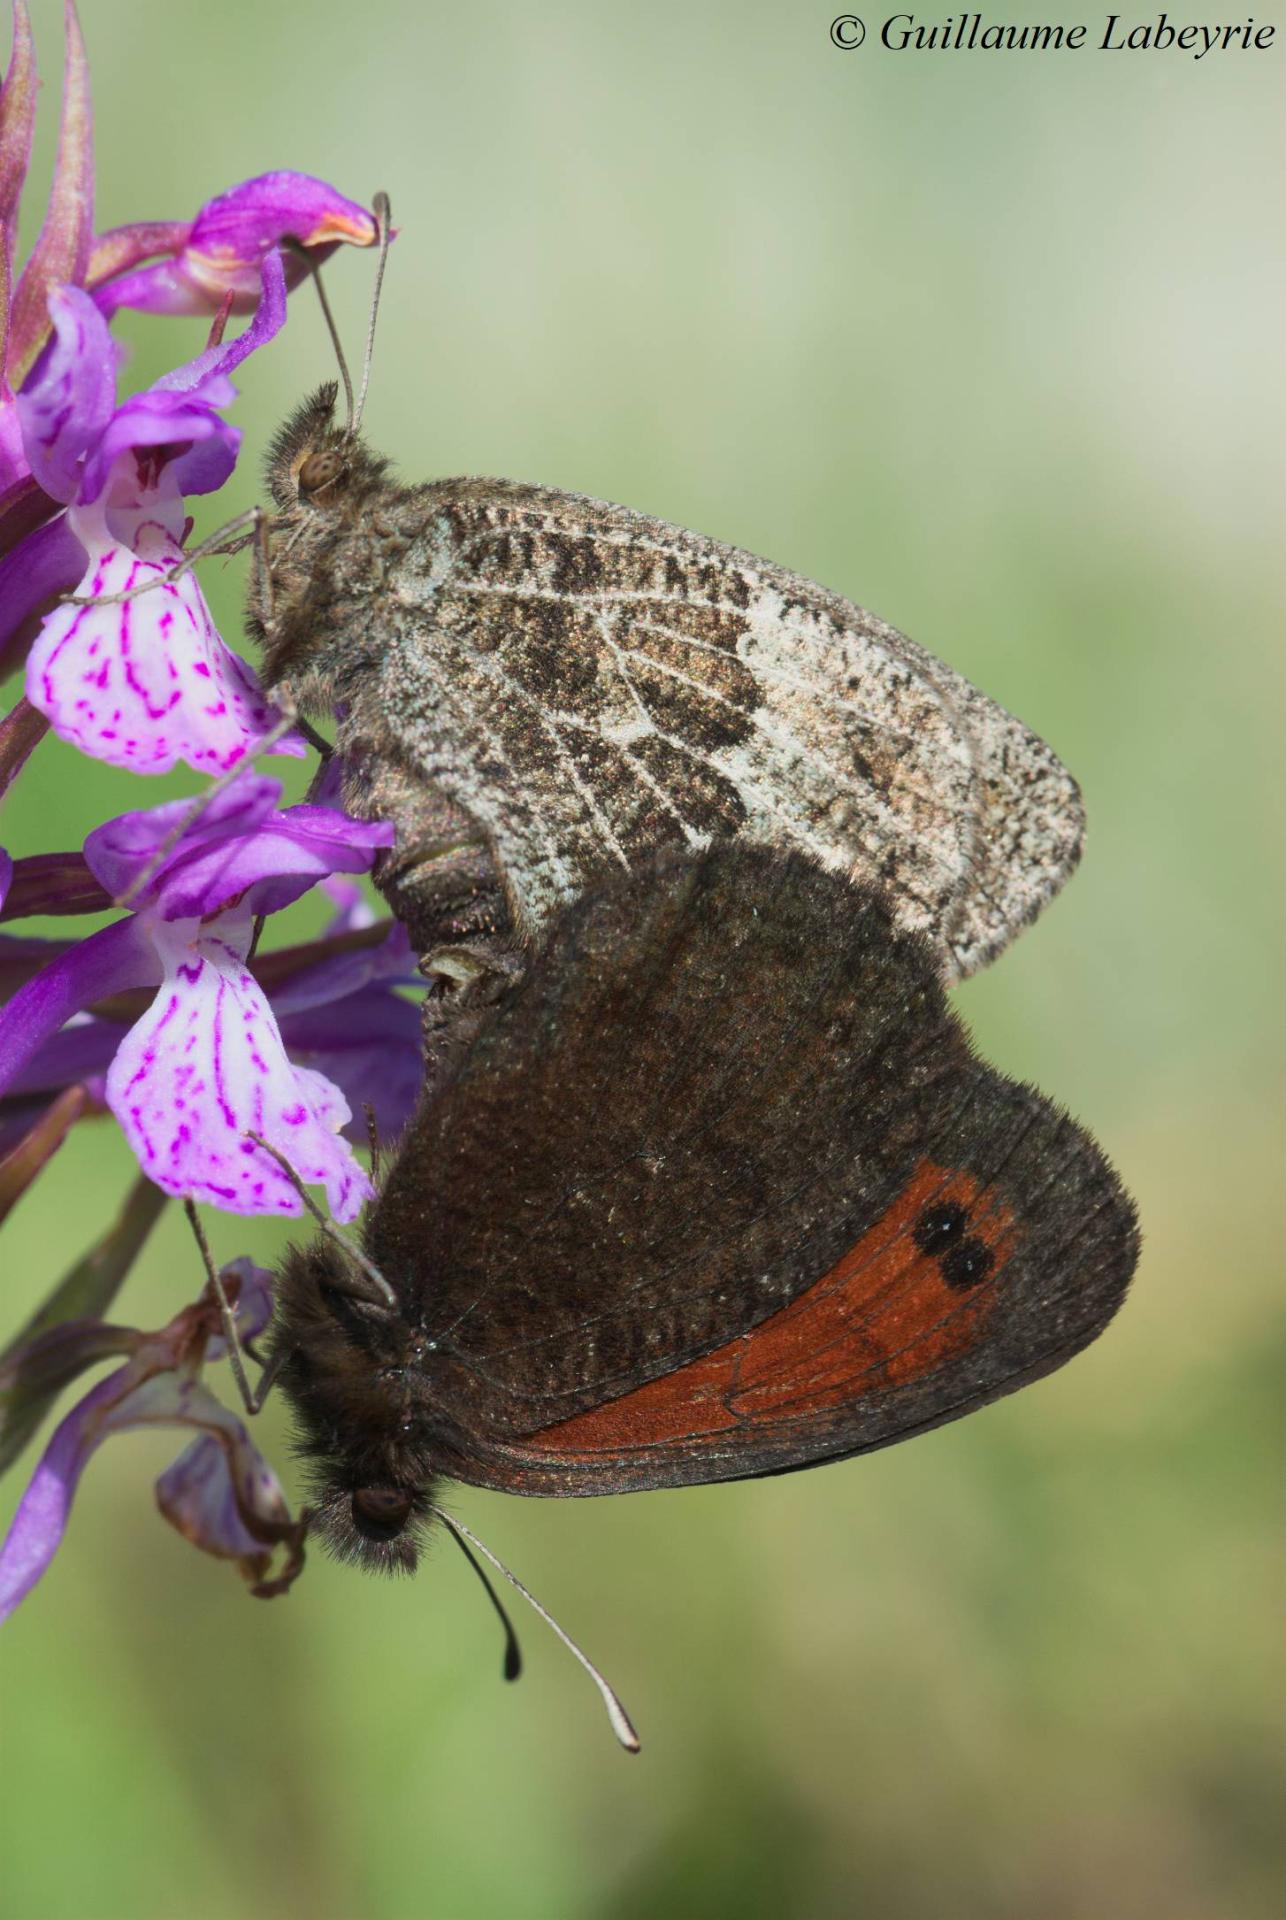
(532, 684)
(718, 1190)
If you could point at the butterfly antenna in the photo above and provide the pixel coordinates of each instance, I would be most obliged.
(382, 1294)
(622, 1726)
(513, 1652)
(382, 211)
(314, 268)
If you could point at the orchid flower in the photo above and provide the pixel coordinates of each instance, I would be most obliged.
(169, 1018)
(147, 682)
(220, 1493)
(206, 1066)
(337, 1002)
(221, 252)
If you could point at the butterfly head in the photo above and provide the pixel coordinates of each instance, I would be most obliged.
(349, 1371)
(318, 550)
(318, 467)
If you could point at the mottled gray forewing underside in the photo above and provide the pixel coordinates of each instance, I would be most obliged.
(586, 682)
(714, 1084)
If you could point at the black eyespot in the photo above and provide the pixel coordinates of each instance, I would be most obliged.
(318, 470)
(380, 1513)
(965, 1264)
(938, 1227)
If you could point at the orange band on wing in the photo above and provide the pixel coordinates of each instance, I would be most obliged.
(883, 1315)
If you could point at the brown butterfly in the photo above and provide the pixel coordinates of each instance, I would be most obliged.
(532, 684)
(719, 1191)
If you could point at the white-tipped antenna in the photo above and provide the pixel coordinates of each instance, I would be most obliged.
(622, 1726)
(512, 1668)
(379, 1292)
(383, 216)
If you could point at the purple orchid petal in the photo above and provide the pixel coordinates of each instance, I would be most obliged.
(81, 1051)
(179, 433)
(17, 123)
(371, 1046)
(108, 962)
(250, 1288)
(147, 682)
(61, 253)
(287, 856)
(233, 232)
(271, 868)
(223, 1497)
(122, 248)
(216, 363)
(68, 401)
(225, 246)
(24, 506)
(22, 957)
(238, 841)
(165, 287)
(336, 975)
(41, 1519)
(352, 909)
(20, 1113)
(208, 461)
(40, 1363)
(13, 455)
(206, 1067)
(118, 851)
(137, 1395)
(47, 564)
(6, 874)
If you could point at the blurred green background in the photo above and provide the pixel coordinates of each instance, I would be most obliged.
(992, 345)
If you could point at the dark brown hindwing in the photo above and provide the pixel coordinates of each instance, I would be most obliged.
(730, 1105)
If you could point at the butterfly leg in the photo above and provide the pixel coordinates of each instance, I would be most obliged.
(252, 1398)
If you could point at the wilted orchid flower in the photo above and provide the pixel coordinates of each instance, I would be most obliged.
(220, 1493)
(206, 1066)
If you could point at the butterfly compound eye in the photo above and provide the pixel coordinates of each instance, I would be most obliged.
(380, 1513)
(318, 470)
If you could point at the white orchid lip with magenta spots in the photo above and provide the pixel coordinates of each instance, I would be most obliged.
(175, 1018)
(145, 681)
(339, 1003)
(206, 1067)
